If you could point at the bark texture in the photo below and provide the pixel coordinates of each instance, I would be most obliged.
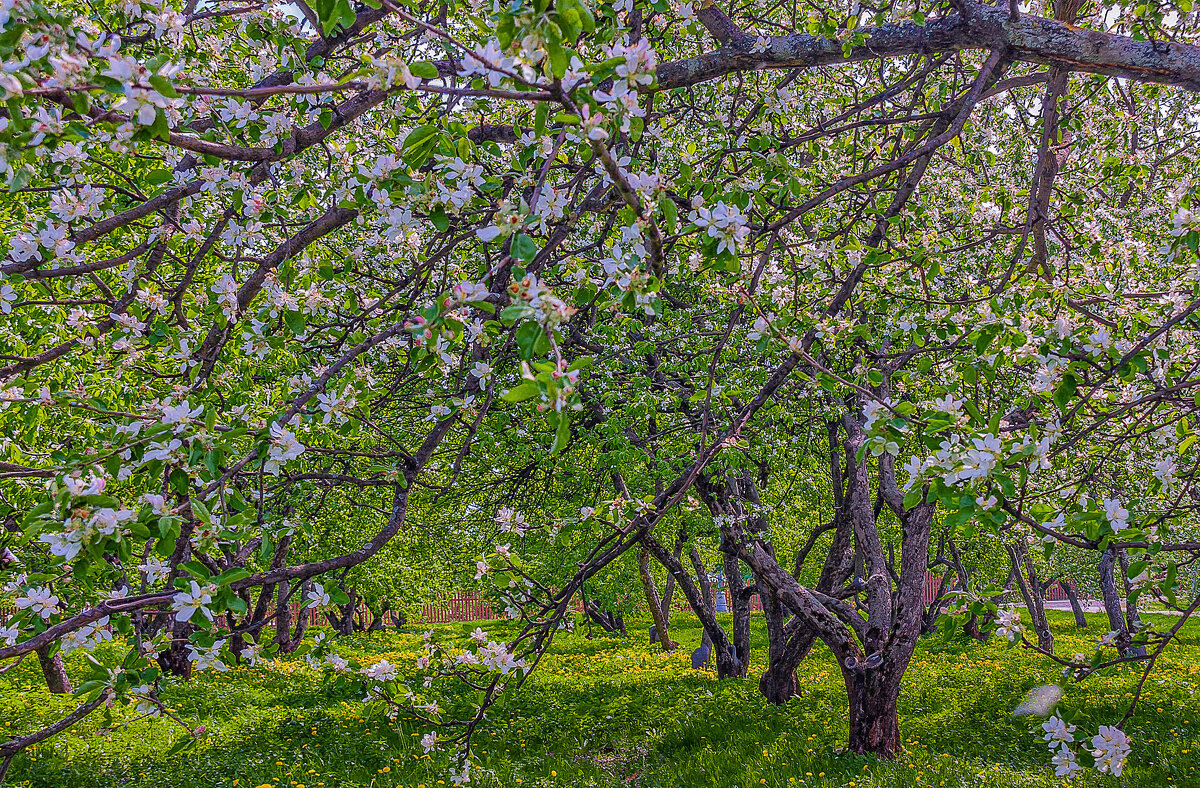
(52, 669)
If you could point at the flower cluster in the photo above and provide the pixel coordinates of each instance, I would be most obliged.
(725, 223)
(1110, 748)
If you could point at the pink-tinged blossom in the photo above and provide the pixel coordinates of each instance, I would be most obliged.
(726, 223)
(381, 671)
(1111, 748)
(284, 448)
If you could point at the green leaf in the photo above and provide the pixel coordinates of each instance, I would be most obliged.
(333, 13)
(197, 570)
(157, 177)
(201, 511)
(178, 747)
(912, 498)
(561, 435)
(419, 144)
(1065, 391)
(559, 59)
(419, 135)
(670, 212)
(531, 340)
(42, 509)
(440, 220)
(163, 86)
(20, 179)
(424, 69)
(521, 392)
(232, 576)
(523, 247)
(511, 314)
(160, 129)
(295, 322)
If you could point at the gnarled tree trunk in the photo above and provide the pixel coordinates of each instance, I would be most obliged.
(874, 712)
(287, 639)
(173, 660)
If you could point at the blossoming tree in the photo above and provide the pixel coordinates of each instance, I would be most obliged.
(259, 255)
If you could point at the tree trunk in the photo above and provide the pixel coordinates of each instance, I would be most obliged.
(1112, 601)
(706, 590)
(1031, 592)
(302, 621)
(1076, 608)
(287, 640)
(342, 622)
(653, 602)
(669, 587)
(702, 604)
(173, 660)
(740, 606)
(1038, 611)
(377, 616)
(778, 685)
(283, 618)
(349, 611)
(874, 715)
(52, 668)
(236, 641)
(1132, 619)
(778, 682)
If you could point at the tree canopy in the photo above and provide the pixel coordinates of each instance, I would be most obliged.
(296, 295)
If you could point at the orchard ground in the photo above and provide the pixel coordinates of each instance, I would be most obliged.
(616, 712)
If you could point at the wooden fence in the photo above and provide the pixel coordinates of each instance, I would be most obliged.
(460, 606)
(467, 606)
(933, 582)
(472, 606)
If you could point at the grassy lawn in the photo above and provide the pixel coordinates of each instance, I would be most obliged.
(614, 712)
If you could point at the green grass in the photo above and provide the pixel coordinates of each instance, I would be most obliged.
(614, 712)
